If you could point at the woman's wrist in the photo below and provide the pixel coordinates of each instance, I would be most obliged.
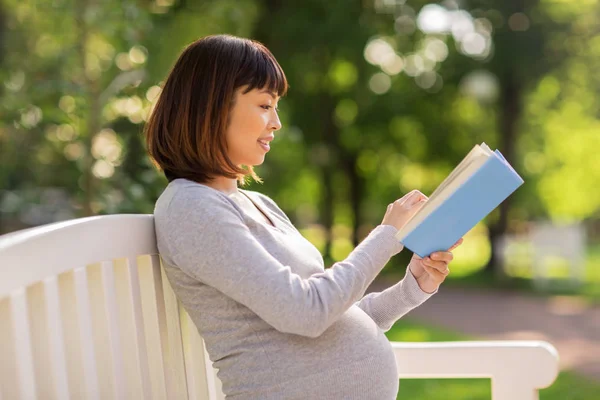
(389, 237)
(413, 290)
(426, 286)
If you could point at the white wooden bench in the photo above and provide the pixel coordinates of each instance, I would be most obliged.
(87, 313)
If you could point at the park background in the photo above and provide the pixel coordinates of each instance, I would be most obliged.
(385, 96)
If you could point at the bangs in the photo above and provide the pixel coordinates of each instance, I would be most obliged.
(260, 70)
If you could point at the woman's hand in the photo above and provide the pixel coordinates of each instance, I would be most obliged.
(432, 270)
(400, 211)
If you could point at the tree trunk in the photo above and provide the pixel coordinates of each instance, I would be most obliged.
(329, 135)
(509, 117)
(327, 208)
(92, 119)
(355, 192)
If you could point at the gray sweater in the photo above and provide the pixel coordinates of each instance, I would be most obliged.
(276, 323)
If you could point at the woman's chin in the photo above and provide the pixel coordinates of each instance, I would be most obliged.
(258, 161)
(253, 163)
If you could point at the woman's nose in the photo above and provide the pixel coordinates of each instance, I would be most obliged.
(275, 123)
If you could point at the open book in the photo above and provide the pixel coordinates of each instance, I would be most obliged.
(481, 181)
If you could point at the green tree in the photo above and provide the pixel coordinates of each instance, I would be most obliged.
(68, 63)
(370, 132)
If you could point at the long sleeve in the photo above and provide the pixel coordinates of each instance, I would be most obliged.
(209, 241)
(388, 306)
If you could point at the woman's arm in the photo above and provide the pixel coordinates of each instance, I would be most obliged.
(207, 239)
(388, 306)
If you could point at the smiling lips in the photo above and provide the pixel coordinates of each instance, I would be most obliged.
(264, 143)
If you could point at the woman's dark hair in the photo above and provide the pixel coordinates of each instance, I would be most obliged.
(185, 133)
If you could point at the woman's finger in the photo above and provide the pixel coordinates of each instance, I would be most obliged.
(412, 197)
(442, 256)
(455, 245)
(442, 269)
(439, 265)
(420, 197)
(440, 276)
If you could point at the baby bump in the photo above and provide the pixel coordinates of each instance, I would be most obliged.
(351, 359)
(357, 336)
(351, 338)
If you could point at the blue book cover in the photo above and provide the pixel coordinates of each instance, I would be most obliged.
(472, 201)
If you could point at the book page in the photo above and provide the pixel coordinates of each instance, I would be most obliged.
(486, 148)
(468, 158)
(475, 151)
(467, 167)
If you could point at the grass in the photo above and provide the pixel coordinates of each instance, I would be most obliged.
(568, 385)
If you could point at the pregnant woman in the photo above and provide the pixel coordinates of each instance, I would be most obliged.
(276, 323)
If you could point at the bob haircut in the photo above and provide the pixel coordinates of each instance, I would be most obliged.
(185, 133)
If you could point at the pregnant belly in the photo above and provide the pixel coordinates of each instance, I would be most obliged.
(352, 359)
(352, 338)
(355, 336)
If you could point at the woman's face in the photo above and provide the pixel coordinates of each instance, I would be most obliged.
(252, 125)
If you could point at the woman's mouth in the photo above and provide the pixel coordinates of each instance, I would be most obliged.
(265, 145)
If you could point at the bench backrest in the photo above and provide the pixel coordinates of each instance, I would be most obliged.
(87, 313)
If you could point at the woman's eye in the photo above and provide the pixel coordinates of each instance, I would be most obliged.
(266, 107)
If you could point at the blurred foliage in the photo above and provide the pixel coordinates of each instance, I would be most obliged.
(386, 96)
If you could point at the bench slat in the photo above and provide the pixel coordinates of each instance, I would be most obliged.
(153, 317)
(140, 335)
(22, 341)
(130, 337)
(8, 370)
(114, 337)
(200, 386)
(103, 330)
(58, 370)
(75, 348)
(87, 336)
(38, 336)
(176, 382)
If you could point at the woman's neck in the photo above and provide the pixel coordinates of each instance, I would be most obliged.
(224, 184)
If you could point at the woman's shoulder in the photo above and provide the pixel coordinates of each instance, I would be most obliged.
(182, 198)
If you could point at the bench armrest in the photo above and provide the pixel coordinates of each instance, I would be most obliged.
(517, 368)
